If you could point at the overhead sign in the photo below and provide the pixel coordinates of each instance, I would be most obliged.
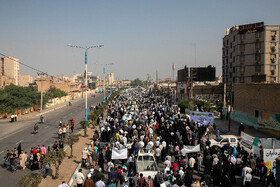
(202, 117)
(251, 28)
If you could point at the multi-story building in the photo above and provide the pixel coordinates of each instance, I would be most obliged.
(25, 80)
(251, 54)
(10, 68)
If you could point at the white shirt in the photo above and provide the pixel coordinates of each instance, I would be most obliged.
(247, 178)
(80, 178)
(191, 162)
(167, 162)
(100, 184)
(246, 169)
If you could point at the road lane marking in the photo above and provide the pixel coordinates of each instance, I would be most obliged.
(1, 152)
(32, 134)
(47, 127)
(20, 141)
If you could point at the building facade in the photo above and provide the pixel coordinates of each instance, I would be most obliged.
(10, 68)
(25, 80)
(251, 54)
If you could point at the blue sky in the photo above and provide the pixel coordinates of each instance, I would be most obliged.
(140, 36)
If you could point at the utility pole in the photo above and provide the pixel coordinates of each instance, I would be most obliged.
(41, 90)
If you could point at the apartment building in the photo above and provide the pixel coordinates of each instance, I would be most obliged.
(251, 54)
(10, 68)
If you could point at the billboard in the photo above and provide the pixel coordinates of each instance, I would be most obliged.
(183, 74)
(204, 118)
(251, 28)
(203, 73)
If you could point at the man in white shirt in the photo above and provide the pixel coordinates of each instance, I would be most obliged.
(247, 179)
(80, 178)
(191, 163)
(100, 183)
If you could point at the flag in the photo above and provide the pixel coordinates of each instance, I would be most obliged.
(234, 152)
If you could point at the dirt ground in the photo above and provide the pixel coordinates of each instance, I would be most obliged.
(69, 165)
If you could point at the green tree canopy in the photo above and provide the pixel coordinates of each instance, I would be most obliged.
(136, 82)
(53, 92)
(185, 103)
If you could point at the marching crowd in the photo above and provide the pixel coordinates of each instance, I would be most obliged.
(143, 122)
(17, 158)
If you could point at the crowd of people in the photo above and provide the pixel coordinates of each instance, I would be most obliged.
(144, 122)
(17, 158)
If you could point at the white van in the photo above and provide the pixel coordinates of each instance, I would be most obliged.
(146, 164)
(223, 140)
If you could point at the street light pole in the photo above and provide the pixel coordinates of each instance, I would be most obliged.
(86, 82)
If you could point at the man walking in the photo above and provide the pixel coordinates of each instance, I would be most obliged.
(80, 178)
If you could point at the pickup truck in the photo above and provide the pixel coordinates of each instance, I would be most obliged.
(223, 140)
(146, 164)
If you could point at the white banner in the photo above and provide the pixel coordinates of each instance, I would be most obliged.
(119, 154)
(203, 117)
(191, 149)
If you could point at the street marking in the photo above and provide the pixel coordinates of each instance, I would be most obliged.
(47, 127)
(32, 134)
(1, 152)
(20, 141)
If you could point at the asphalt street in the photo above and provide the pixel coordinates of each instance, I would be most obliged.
(11, 136)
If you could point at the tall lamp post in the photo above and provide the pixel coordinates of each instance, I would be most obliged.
(86, 82)
(104, 72)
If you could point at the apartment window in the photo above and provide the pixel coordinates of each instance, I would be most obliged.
(242, 36)
(233, 38)
(258, 68)
(230, 65)
(230, 44)
(233, 50)
(242, 47)
(231, 55)
(233, 59)
(233, 79)
(241, 58)
(258, 46)
(241, 80)
(227, 51)
(230, 75)
(258, 34)
(273, 33)
(233, 69)
(242, 69)
(227, 42)
(257, 57)
(273, 44)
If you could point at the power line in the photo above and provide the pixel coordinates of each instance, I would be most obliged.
(26, 65)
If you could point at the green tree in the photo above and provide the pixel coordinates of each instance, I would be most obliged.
(53, 92)
(185, 103)
(84, 125)
(55, 158)
(201, 103)
(136, 82)
(32, 180)
(71, 140)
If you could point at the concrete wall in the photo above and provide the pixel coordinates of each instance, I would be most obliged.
(257, 105)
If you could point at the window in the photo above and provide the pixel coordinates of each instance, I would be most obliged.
(241, 58)
(242, 36)
(258, 68)
(273, 33)
(258, 34)
(233, 59)
(230, 65)
(242, 47)
(233, 38)
(232, 140)
(258, 57)
(273, 67)
(273, 44)
(224, 140)
(241, 80)
(258, 46)
(242, 69)
(230, 44)
(230, 55)
(230, 75)
(233, 79)
(233, 69)
(227, 42)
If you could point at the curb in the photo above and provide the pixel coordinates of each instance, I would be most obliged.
(74, 174)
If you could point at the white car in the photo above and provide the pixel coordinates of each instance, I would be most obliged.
(223, 140)
(146, 164)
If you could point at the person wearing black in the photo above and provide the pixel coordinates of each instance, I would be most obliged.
(19, 149)
(101, 160)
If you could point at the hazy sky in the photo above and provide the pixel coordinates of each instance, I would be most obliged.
(140, 36)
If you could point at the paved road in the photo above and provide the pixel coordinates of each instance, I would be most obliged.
(22, 133)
